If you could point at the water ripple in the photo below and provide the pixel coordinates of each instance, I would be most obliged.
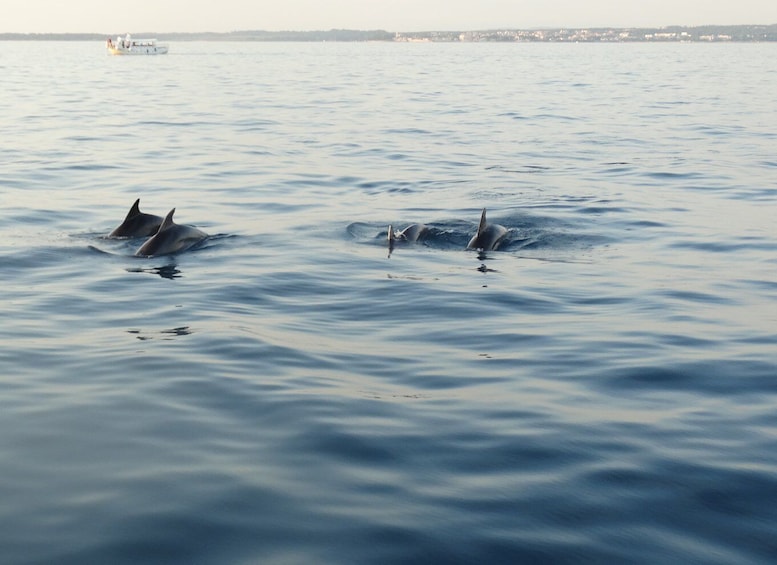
(599, 389)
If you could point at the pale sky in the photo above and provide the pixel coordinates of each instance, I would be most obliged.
(103, 16)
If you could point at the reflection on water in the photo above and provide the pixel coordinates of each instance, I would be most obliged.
(172, 332)
(166, 272)
(483, 268)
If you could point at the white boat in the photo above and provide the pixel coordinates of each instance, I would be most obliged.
(128, 46)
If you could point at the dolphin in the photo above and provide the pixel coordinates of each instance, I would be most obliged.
(489, 236)
(411, 233)
(137, 224)
(171, 238)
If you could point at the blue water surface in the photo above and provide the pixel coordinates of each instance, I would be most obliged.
(600, 389)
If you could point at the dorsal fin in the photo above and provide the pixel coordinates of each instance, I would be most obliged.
(482, 225)
(391, 235)
(134, 210)
(168, 221)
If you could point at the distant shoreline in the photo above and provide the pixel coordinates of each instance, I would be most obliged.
(709, 33)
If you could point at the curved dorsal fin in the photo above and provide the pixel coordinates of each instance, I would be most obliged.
(168, 221)
(482, 225)
(134, 210)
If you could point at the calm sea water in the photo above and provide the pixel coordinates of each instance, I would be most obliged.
(601, 390)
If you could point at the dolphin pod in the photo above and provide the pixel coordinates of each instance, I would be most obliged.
(488, 237)
(167, 237)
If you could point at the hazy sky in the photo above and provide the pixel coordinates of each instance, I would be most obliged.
(103, 16)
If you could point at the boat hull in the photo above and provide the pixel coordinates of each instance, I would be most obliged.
(158, 50)
(129, 46)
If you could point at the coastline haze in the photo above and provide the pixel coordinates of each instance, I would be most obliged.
(49, 16)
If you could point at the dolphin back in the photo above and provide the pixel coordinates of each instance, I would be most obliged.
(413, 232)
(489, 236)
(137, 223)
(410, 234)
(171, 238)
